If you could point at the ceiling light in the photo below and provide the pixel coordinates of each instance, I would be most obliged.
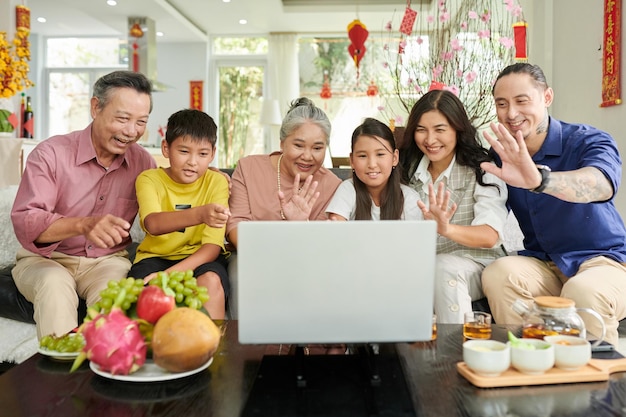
(243, 22)
(41, 19)
(111, 2)
(226, 1)
(159, 33)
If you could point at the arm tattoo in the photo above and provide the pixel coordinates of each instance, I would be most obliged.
(583, 185)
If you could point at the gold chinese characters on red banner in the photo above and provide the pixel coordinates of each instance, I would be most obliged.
(611, 77)
(195, 95)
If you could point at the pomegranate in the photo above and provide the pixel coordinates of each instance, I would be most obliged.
(153, 302)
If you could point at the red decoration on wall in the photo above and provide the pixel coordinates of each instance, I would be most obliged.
(611, 53)
(519, 35)
(357, 32)
(22, 18)
(195, 95)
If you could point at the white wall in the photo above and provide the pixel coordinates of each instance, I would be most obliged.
(565, 37)
(177, 65)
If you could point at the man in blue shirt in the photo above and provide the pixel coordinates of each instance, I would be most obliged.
(562, 180)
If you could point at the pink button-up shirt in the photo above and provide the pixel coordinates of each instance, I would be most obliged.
(64, 179)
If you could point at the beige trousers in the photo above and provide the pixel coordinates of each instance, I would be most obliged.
(54, 284)
(600, 284)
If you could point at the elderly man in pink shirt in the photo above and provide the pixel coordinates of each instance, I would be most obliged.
(76, 203)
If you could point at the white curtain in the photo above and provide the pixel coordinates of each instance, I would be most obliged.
(283, 71)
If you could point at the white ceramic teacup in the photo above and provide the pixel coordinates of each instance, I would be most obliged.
(487, 357)
(570, 352)
(532, 361)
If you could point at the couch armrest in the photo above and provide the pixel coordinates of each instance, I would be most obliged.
(13, 306)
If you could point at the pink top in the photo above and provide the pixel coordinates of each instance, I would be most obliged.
(254, 192)
(64, 179)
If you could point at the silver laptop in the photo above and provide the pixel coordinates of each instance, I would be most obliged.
(335, 282)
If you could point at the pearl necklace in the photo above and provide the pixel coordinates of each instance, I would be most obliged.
(280, 158)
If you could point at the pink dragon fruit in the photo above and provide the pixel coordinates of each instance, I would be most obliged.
(113, 342)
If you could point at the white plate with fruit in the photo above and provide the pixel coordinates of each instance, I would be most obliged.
(130, 318)
(149, 372)
(64, 348)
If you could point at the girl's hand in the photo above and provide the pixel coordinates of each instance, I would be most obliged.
(438, 209)
(299, 206)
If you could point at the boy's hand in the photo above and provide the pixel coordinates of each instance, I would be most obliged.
(215, 215)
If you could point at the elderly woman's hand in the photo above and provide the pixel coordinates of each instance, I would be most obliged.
(299, 206)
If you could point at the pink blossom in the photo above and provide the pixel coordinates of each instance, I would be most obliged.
(517, 11)
(437, 71)
(484, 34)
(506, 42)
(459, 73)
(445, 16)
(472, 14)
(418, 89)
(442, 4)
(419, 40)
(485, 16)
(385, 65)
(430, 19)
(386, 47)
(380, 108)
(388, 26)
(452, 88)
(447, 56)
(456, 45)
(470, 77)
(463, 25)
(399, 121)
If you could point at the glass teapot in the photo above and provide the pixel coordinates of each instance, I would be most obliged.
(554, 315)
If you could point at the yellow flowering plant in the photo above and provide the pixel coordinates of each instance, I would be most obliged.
(14, 58)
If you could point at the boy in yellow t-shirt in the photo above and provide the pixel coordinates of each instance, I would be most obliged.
(184, 208)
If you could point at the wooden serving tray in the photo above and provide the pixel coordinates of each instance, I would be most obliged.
(595, 370)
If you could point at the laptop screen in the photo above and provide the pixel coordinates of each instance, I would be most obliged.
(335, 282)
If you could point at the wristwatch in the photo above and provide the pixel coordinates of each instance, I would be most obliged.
(544, 170)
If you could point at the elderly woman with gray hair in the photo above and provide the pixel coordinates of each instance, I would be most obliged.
(290, 184)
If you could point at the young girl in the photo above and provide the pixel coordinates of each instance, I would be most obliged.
(374, 192)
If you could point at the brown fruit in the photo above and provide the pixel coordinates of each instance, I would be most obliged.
(184, 339)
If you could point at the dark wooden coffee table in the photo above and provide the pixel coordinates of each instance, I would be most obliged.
(415, 379)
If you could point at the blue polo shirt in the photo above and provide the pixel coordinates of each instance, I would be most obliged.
(570, 233)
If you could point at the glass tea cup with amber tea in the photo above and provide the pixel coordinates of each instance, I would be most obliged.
(477, 325)
(551, 316)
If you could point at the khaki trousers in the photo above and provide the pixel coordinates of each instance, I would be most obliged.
(600, 284)
(54, 284)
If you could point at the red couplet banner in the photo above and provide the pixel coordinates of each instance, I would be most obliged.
(611, 79)
(195, 95)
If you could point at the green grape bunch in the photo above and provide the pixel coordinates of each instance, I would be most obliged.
(187, 292)
(130, 286)
(68, 343)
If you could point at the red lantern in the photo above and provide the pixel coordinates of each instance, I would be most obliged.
(372, 89)
(326, 93)
(357, 32)
(136, 32)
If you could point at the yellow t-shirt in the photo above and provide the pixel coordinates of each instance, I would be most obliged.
(157, 192)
